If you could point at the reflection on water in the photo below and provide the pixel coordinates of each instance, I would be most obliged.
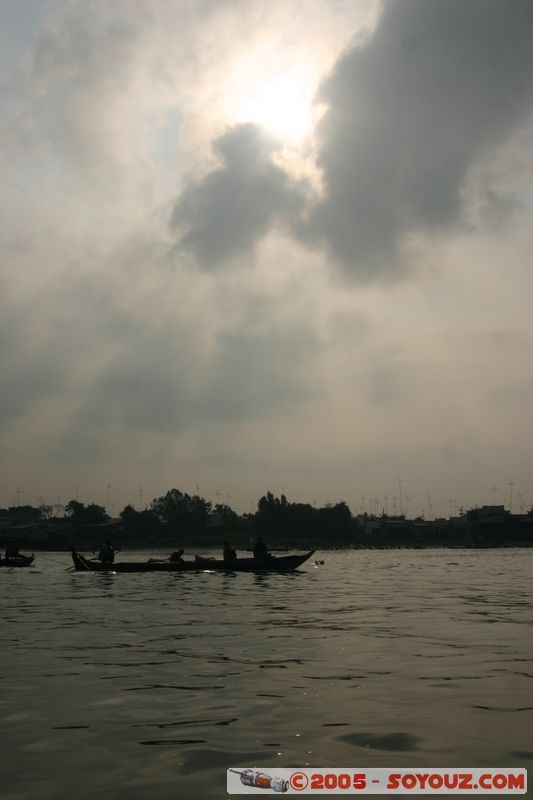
(137, 686)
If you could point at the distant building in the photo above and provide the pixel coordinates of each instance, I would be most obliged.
(493, 513)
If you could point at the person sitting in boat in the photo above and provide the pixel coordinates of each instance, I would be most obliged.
(177, 556)
(261, 550)
(12, 551)
(229, 553)
(107, 553)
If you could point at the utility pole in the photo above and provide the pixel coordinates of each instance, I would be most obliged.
(399, 482)
(140, 498)
(494, 490)
(510, 485)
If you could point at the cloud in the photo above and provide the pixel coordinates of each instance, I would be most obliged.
(29, 375)
(163, 380)
(412, 109)
(85, 60)
(434, 88)
(119, 361)
(126, 357)
(235, 205)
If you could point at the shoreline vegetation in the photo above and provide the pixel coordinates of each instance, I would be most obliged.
(190, 521)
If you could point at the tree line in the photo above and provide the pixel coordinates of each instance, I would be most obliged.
(183, 516)
(192, 517)
(188, 519)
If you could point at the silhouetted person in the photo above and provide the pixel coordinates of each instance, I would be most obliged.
(177, 556)
(12, 551)
(107, 553)
(229, 553)
(260, 550)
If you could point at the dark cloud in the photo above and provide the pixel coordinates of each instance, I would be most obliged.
(97, 379)
(162, 385)
(29, 375)
(436, 86)
(166, 382)
(410, 110)
(257, 374)
(22, 384)
(234, 206)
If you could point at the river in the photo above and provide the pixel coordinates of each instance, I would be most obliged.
(148, 687)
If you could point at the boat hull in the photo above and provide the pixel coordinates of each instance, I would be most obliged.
(19, 561)
(273, 564)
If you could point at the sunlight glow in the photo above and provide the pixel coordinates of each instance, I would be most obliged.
(282, 105)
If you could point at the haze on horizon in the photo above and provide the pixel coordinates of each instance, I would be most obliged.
(250, 246)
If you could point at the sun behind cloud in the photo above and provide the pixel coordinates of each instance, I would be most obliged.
(282, 104)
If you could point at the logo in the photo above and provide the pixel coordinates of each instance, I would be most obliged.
(260, 780)
(299, 781)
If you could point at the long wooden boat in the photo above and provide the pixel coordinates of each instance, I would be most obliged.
(17, 561)
(272, 564)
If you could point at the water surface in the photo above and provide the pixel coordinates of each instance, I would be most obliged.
(150, 686)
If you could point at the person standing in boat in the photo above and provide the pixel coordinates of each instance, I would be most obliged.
(229, 553)
(107, 553)
(261, 550)
(12, 551)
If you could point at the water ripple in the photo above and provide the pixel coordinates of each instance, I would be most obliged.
(375, 653)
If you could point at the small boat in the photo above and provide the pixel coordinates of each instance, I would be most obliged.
(272, 564)
(17, 561)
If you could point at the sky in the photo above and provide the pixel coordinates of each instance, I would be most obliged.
(282, 246)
